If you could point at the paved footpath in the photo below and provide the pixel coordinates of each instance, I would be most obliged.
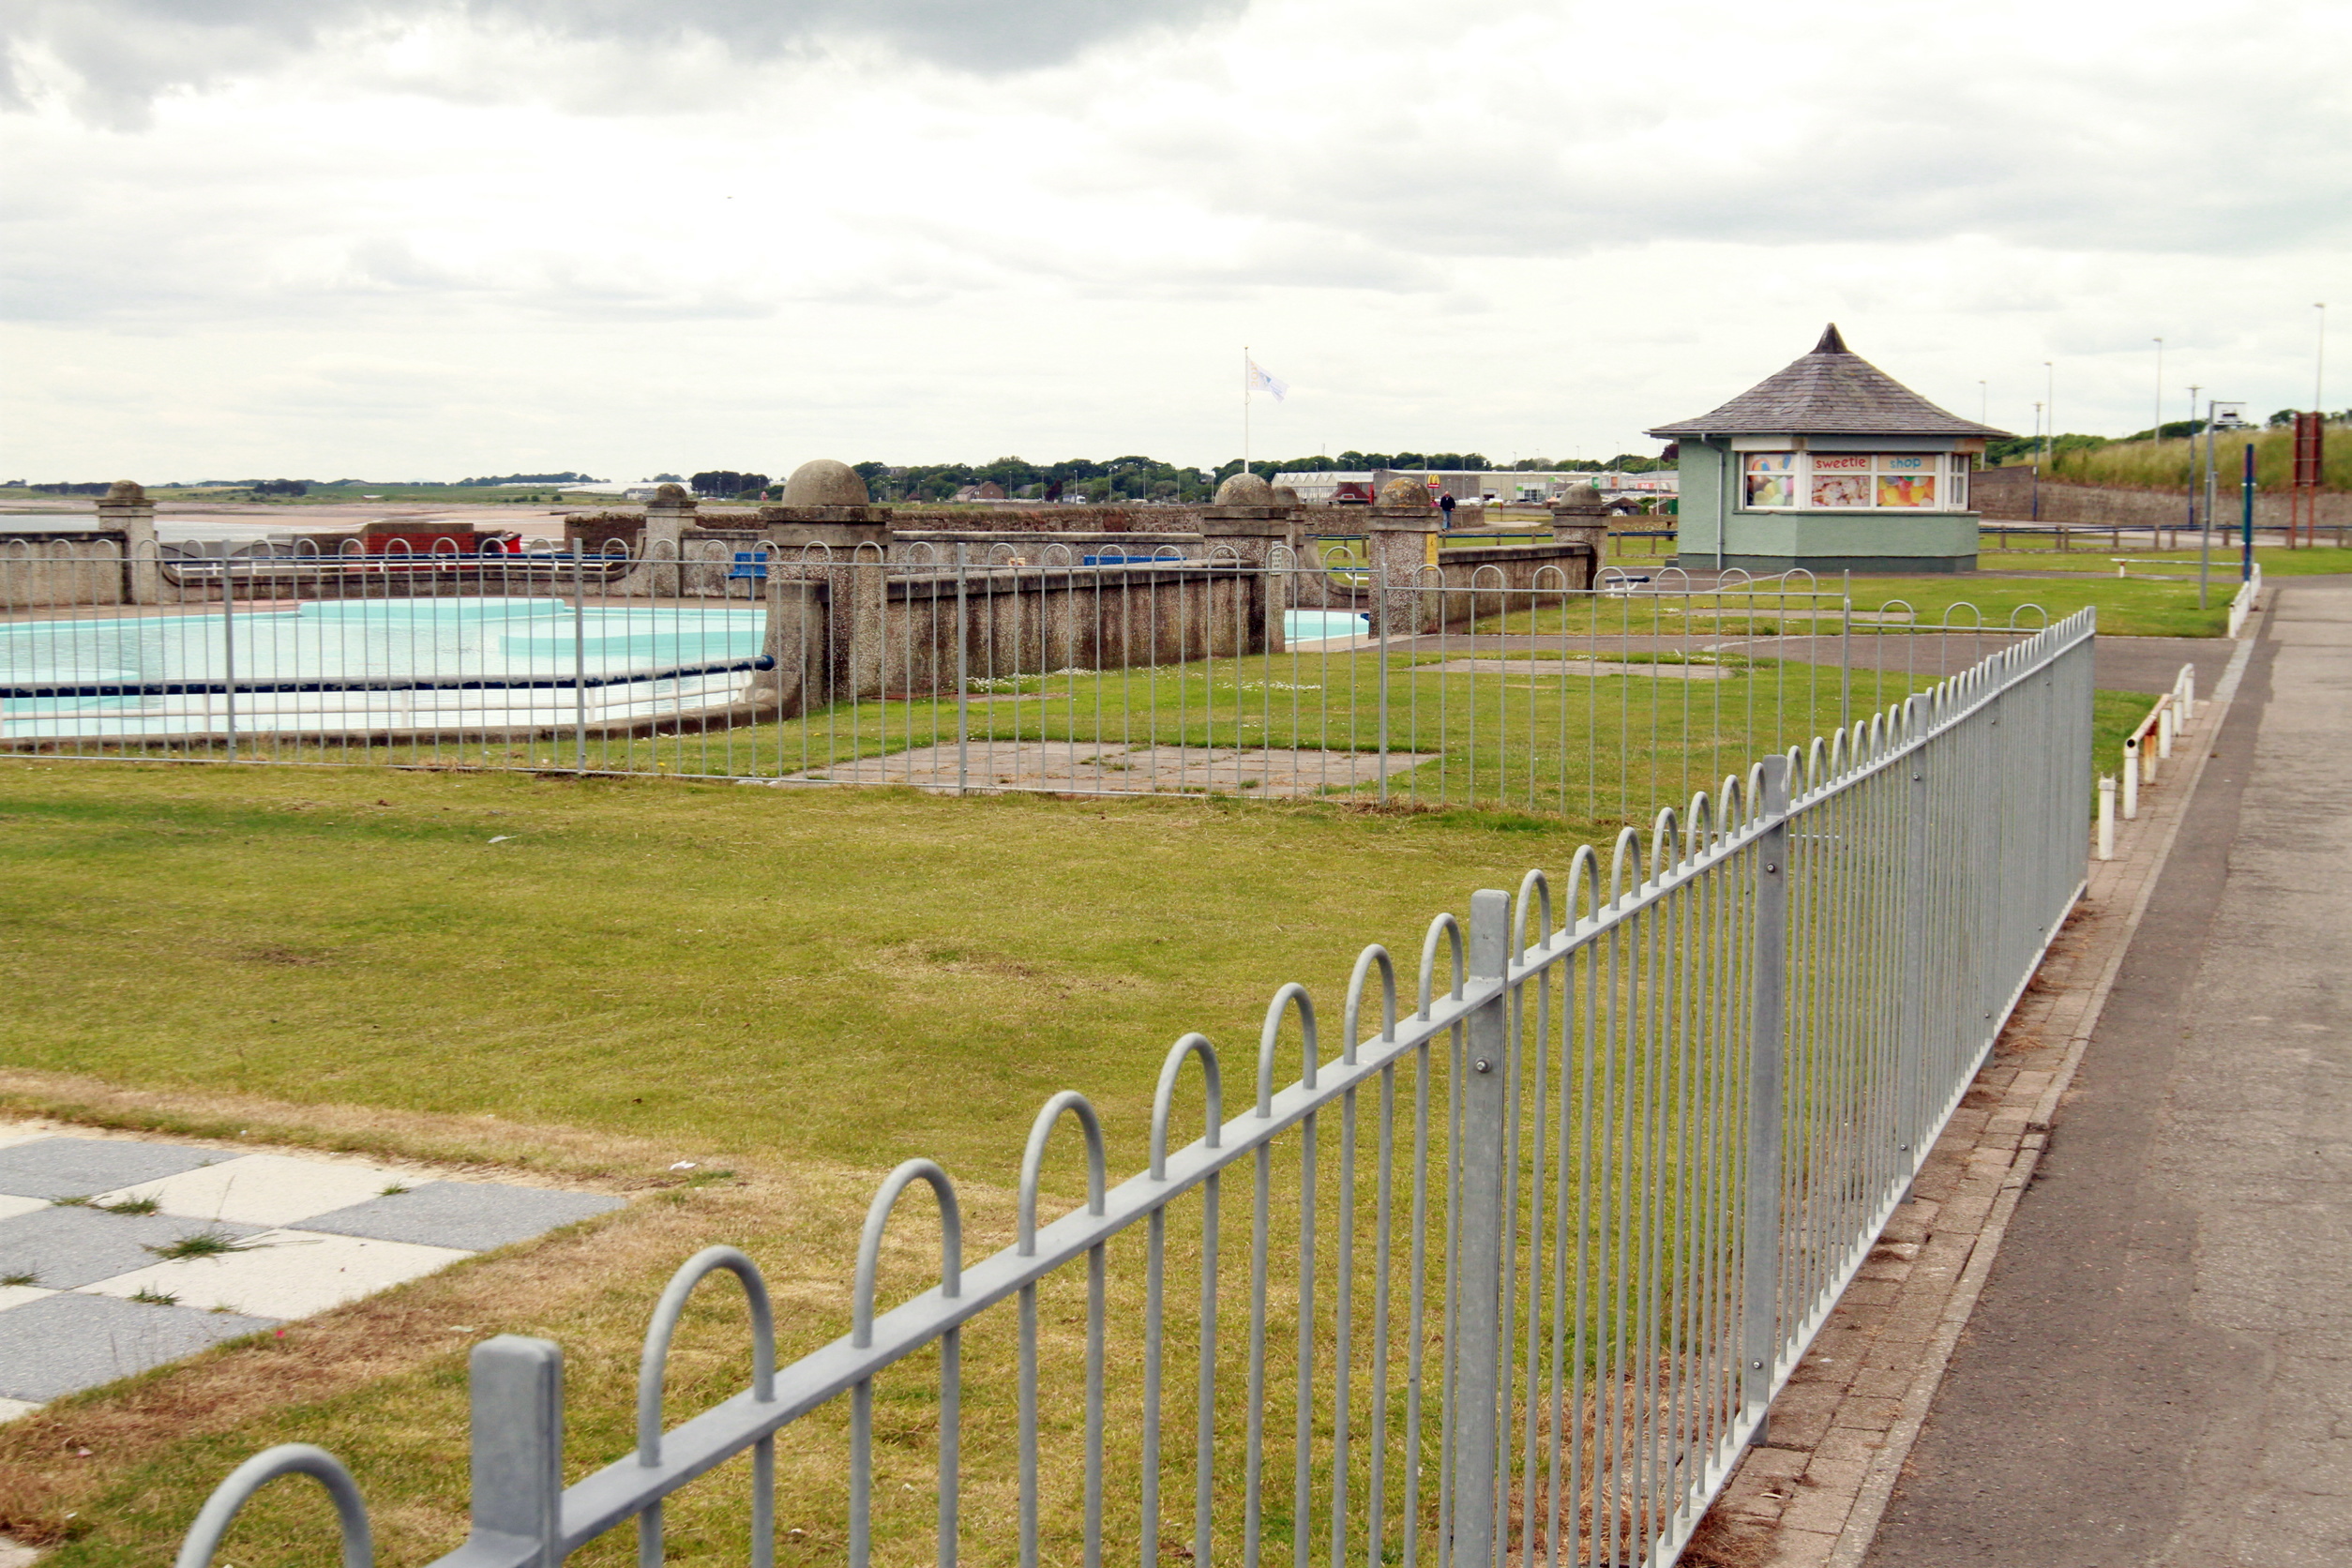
(2159, 1369)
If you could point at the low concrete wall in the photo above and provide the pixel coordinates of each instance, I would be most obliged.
(2007, 496)
(53, 571)
(837, 631)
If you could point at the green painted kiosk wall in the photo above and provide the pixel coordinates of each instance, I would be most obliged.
(1778, 539)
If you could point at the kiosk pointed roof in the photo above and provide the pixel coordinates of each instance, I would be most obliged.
(1831, 391)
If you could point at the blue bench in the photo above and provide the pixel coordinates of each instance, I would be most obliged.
(1115, 558)
(751, 563)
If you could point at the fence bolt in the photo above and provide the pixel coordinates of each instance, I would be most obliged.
(1482, 1064)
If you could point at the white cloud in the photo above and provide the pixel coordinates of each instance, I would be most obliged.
(257, 236)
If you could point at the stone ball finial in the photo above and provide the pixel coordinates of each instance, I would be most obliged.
(1581, 495)
(669, 492)
(1285, 496)
(1406, 492)
(126, 489)
(822, 482)
(1244, 490)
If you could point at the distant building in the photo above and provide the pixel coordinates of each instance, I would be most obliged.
(1830, 464)
(1507, 486)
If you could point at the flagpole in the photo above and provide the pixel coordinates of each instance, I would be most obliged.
(1244, 407)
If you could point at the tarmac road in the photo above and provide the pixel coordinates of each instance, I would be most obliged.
(2159, 1370)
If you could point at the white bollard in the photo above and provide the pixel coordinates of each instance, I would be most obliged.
(2164, 731)
(2131, 780)
(2188, 694)
(2106, 819)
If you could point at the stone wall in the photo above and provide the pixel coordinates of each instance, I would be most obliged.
(838, 631)
(52, 571)
(2007, 496)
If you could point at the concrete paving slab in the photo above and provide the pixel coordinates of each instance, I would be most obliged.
(285, 1273)
(67, 1248)
(12, 1207)
(75, 1341)
(1092, 768)
(17, 1295)
(78, 1167)
(476, 1216)
(264, 1189)
(1556, 667)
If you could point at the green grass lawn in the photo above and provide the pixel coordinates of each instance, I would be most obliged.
(735, 971)
(811, 985)
(2275, 561)
(1598, 751)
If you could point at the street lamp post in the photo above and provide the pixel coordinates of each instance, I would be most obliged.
(2037, 466)
(2049, 391)
(2194, 390)
(2216, 415)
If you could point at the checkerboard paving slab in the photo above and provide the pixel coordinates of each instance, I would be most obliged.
(71, 1341)
(304, 1235)
(57, 1168)
(286, 1273)
(478, 1216)
(263, 1189)
(64, 1248)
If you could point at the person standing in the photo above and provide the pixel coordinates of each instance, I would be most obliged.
(1446, 505)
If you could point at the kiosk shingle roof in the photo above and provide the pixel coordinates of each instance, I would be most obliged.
(1831, 391)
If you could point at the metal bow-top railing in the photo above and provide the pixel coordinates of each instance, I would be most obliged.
(1593, 1197)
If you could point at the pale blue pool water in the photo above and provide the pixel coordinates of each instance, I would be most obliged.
(65, 669)
(1308, 625)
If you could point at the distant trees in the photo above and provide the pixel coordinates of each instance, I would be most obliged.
(1136, 476)
(565, 479)
(725, 484)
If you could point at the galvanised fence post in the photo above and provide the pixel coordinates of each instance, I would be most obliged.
(1476, 1357)
(1912, 1043)
(516, 1387)
(1761, 1282)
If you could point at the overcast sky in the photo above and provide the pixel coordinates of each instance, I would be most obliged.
(425, 238)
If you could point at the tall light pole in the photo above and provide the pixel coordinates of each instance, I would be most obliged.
(2049, 390)
(2037, 467)
(2194, 390)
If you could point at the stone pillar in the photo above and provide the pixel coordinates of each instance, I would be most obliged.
(1251, 534)
(826, 503)
(1579, 517)
(667, 516)
(126, 508)
(1400, 538)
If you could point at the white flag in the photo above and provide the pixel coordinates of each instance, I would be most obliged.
(1260, 382)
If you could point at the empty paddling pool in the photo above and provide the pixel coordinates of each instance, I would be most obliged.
(1315, 626)
(337, 667)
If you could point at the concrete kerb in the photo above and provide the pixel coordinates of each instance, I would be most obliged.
(1873, 1482)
